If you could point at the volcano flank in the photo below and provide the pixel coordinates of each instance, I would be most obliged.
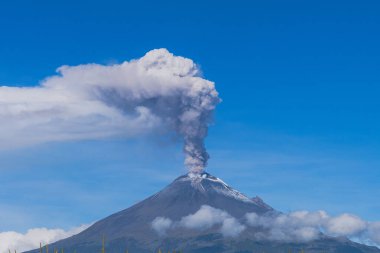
(197, 212)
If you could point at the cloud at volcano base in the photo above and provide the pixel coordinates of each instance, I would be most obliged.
(158, 93)
(205, 218)
(303, 226)
(298, 226)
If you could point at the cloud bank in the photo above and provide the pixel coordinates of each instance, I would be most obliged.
(33, 237)
(158, 93)
(299, 226)
(303, 226)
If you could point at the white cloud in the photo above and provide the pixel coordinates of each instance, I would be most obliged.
(33, 237)
(345, 225)
(205, 218)
(307, 226)
(231, 227)
(374, 232)
(296, 226)
(161, 225)
(158, 92)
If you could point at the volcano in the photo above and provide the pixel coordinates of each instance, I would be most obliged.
(132, 229)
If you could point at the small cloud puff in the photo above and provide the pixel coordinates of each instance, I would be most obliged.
(161, 225)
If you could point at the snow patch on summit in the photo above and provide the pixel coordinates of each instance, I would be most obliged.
(229, 192)
(217, 185)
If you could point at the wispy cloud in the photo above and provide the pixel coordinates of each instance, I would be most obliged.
(161, 225)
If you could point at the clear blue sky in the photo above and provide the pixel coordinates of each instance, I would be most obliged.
(298, 125)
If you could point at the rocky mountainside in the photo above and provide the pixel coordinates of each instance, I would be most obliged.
(193, 214)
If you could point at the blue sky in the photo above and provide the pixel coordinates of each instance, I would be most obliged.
(298, 124)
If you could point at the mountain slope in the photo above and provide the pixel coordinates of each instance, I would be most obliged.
(182, 197)
(132, 227)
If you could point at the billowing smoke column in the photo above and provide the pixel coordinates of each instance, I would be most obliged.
(158, 92)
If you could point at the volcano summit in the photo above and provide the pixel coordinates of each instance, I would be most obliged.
(198, 212)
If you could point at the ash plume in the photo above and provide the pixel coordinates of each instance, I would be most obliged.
(157, 93)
